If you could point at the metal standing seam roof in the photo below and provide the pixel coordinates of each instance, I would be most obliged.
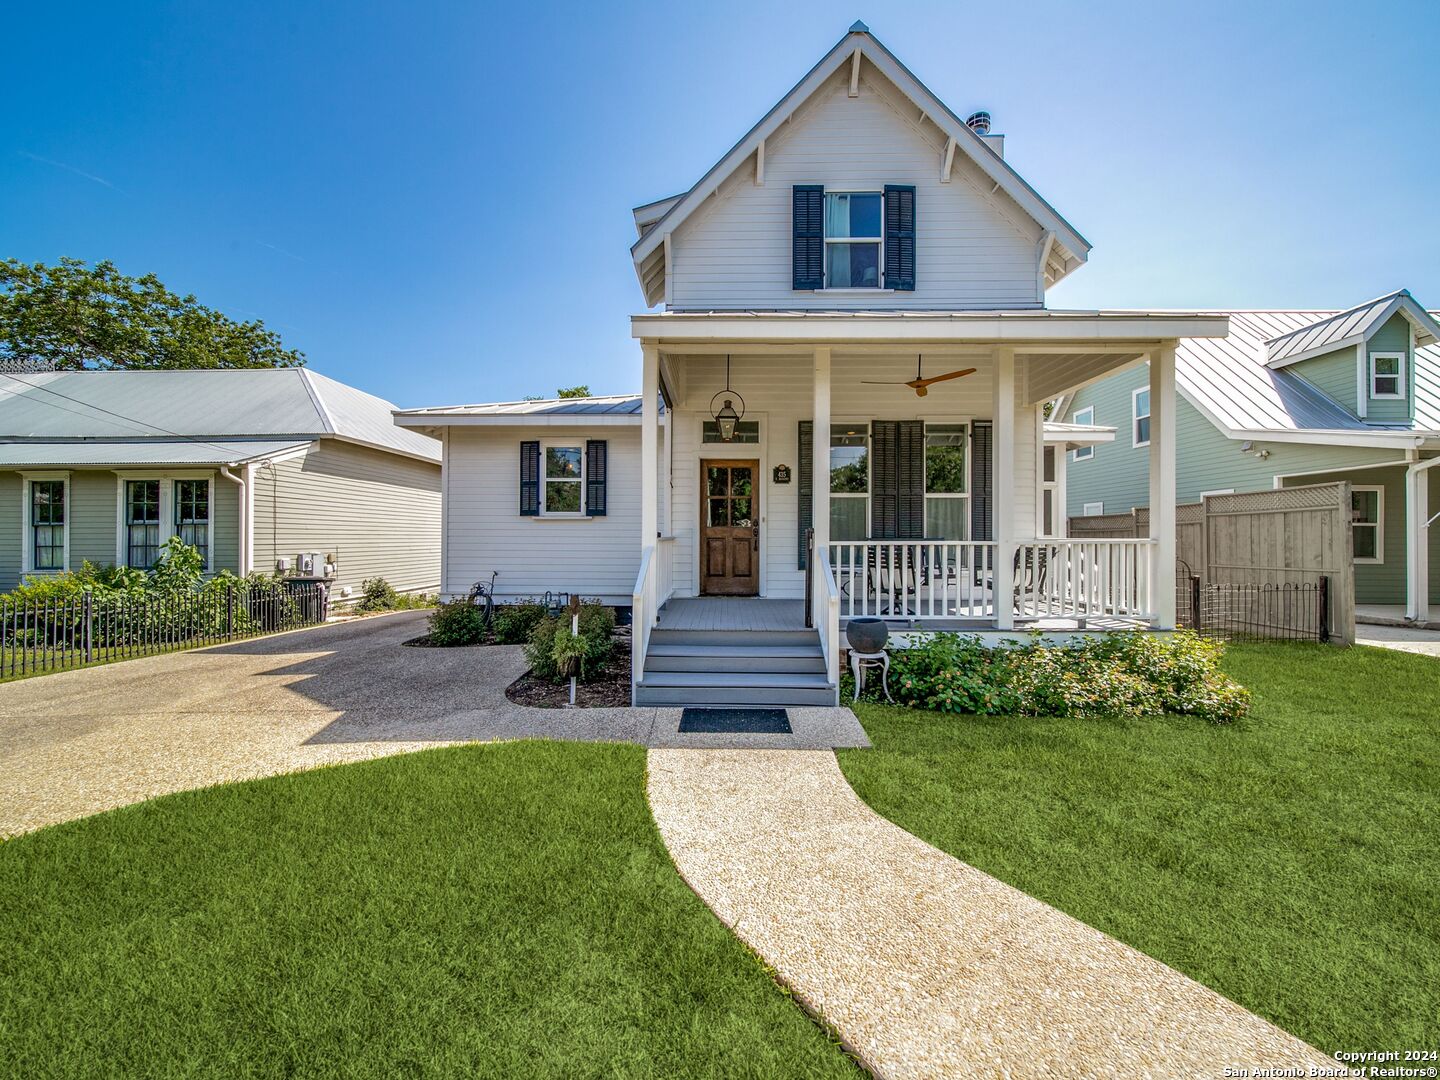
(617, 404)
(285, 406)
(1345, 328)
(1230, 379)
(28, 453)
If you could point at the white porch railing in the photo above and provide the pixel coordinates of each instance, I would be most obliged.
(915, 579)
(653, 587)
(825, 613)
(931, 580)
(1082, 579)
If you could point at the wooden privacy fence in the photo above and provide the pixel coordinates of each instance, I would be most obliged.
(1261, 555)
(51, 634)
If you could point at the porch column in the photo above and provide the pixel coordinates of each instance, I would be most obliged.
(649, 442)
(1417, 544)
(1002, 496)
(820, 447)
(1162, 484)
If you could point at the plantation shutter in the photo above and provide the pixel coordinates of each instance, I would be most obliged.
(596, 452)
(808, 246)
(899, 237)
(805, 465)
(897, 479)
(982, 442)
(529, 479)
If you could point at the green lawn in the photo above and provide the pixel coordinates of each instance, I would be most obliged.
(1291, 862)
(502, 910)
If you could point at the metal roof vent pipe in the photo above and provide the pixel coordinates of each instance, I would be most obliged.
(979, 123)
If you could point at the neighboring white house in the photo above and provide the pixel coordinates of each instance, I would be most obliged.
(255, 467)
(865, 276)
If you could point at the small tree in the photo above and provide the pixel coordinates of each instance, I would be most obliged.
(573, 391)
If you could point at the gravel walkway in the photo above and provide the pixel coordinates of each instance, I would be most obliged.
(79, 742)
(926, 966)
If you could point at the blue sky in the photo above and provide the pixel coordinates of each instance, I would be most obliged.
(432, 201)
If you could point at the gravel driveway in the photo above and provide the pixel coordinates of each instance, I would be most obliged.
(80, 742)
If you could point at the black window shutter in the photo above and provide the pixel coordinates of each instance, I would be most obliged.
(529, 479)
(804, 464)
(884, 479)
(596, 453)
(899, 237)
(910, 479)
(808, 223)
(982, 441)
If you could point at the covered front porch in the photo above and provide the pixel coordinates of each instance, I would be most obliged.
(897, 466)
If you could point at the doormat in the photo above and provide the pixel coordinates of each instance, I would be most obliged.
(736, 721)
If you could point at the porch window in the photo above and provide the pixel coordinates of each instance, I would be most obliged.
(746, 431)
(192, 515)
(1049, 493)
(563, 478)
(47, 524)
(849, 481)
(1140, 417)
(142, 523)
(1084, 416)
(854, 235)
(1367, 523)
(947, 497)
(1387, 375)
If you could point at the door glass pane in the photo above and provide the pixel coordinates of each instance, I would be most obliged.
(718, 513)
(740, 513)
(717, 480)
(740, 480)
(945, 518)
(847, 519)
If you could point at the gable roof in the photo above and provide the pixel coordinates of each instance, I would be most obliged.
(1231, 382)
(1350, 327)
(575, 412)
(199, 409)
(1069, 249)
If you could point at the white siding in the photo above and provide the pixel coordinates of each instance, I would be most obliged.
(485, 532)
(379, 513)
(777, 391)
(973, 249)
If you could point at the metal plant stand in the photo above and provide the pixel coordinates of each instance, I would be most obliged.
(860, 661)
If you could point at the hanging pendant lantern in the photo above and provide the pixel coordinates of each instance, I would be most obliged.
(727, 417)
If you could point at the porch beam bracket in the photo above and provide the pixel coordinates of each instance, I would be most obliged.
(948, 163)
(760, 164)
(855, 73)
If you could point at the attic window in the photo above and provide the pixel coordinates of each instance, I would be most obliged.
(1387, 375)
(853, 239)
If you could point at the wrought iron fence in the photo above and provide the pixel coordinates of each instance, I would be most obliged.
(1291, 611)
(42, 635)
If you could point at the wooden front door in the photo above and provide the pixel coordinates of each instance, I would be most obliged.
(729, 528)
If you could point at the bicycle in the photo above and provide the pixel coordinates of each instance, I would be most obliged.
(483, 595)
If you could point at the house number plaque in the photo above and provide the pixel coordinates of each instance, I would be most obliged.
(782, 474)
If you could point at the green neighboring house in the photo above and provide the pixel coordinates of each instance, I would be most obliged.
(260, 469)
(1291, 398)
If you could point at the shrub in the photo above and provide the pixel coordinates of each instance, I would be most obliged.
(515, 622)
(457, 623)
(551, 642)
(377, 594)
(1112, 675)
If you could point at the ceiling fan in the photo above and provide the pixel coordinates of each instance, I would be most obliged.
(920, 384)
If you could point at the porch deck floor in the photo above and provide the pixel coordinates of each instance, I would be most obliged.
(731, 613)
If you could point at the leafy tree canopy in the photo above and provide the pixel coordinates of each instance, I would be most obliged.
(573, 391)
(76, 316)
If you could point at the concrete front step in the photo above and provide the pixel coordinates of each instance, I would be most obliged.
(748, 697)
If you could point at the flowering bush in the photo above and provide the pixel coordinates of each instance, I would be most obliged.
(1110, 675)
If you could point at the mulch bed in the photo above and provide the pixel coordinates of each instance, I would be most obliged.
(610, 691)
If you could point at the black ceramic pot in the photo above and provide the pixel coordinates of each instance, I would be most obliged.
(867, 634)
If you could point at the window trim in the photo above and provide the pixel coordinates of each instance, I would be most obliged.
(1092, 509)
(545, 481)
(1378, 525)
(27, 534)
(1083, 453)
(1135, 416)
(167, 478)
(1399, 376)
(826, 240)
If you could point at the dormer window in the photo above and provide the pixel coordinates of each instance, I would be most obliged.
(1387, 375)
(853, 239)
